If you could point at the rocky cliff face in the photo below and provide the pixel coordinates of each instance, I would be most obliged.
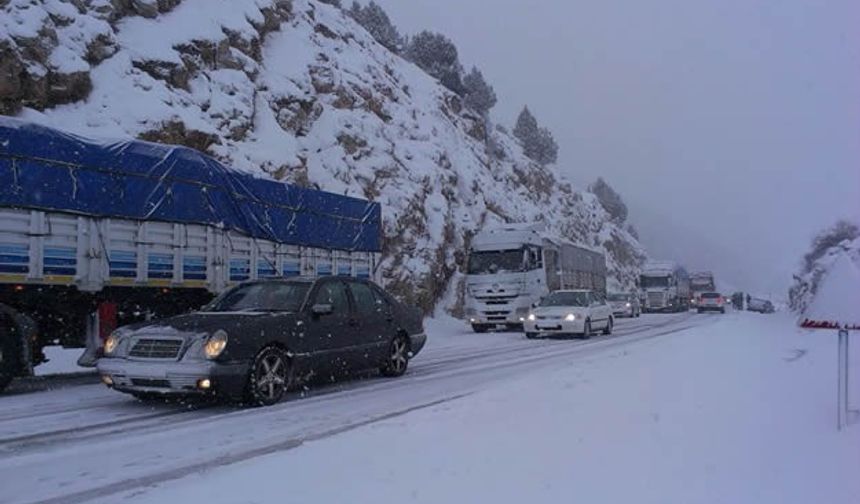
(295, 91)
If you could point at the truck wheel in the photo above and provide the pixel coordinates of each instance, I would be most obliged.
(608, 330)
(480, 328)
(8, 355)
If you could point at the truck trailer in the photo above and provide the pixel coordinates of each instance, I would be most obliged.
(94, 235)
(664, 287)
(512, 266)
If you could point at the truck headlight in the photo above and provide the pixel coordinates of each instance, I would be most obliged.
(627, 305)
(216, 344)
(570, 317)
(531, 317)
(110, 344)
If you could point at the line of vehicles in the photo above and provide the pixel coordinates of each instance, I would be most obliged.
(112, 248)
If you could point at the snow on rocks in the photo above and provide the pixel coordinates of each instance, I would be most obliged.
(298, 91)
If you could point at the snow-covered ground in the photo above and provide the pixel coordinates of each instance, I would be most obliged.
(739, 411)
(672, 408)
(61, 361)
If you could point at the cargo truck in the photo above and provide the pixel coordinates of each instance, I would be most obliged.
(664, 287)
(511, 267)
(94, 235)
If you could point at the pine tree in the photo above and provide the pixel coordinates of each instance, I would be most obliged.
(374, 19)
(526, 128)
(479, 95)
(610, 200)
(538, 143)
(437, 55)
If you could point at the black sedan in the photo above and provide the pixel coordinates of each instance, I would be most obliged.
(259, 338)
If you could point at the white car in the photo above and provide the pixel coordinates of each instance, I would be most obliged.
(565, 312)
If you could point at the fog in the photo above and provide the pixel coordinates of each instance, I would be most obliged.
(731, 127)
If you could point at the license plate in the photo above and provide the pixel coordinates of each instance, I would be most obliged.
(548, 328)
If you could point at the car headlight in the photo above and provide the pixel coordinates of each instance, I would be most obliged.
(111, 343)
(531, 317)
(215, 345)
(627, 305)
(570, 317)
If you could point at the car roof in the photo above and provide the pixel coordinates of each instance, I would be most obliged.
(303, 279)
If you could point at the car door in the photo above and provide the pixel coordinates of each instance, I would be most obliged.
(600, 310)
(373, 325)
(333, 334)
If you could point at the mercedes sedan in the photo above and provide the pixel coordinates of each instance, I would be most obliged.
(256, 340)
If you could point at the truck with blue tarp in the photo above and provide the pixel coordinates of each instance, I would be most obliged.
(97, 234)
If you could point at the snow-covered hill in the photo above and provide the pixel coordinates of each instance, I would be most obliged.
(296, 91)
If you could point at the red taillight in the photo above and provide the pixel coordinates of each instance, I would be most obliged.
(720, 300)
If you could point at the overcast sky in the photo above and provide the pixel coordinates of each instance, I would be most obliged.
(731, 127)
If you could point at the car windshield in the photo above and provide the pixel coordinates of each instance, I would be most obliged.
(619, 297)
(495, 261)
(269, 296)
(565, 299)
(654, 281)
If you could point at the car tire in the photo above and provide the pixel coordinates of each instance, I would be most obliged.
(397, 359)
(8, 355)
(269, 377)
(608, 330)
(480, 328)
(531, 335)
(723, 311)
(586, 330)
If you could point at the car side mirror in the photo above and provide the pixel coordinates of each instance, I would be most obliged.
(321, 309)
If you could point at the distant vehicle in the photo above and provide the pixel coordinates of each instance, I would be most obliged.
(701, 282)
(624, 304)
(760, 306)
(664, 286)
(569, 312)
(513, 266)
(99, 235)
(255, 340)
(711, 301)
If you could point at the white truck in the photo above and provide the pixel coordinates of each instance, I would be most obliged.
(664, 287)
(701, 282)
(513, 266)
(96, 235)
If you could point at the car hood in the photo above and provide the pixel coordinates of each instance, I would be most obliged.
(203, 323)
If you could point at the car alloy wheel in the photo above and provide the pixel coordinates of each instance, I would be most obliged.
(586, 330)
(270, 377)
(398, 357)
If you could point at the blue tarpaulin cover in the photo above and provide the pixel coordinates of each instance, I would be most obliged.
(46, 169)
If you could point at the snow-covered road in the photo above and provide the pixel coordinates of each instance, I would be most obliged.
(85, 442)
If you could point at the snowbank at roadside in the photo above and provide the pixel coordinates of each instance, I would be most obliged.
(61, 361)
(741, 411)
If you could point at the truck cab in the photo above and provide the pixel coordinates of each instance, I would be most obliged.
(505, 275)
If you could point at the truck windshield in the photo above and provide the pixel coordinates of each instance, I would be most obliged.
(565, 299)
(495, 261)
(654, 281)
(264, 297)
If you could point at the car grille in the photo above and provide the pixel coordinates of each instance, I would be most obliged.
(148, 382)
(151, 348)
(549, 317)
